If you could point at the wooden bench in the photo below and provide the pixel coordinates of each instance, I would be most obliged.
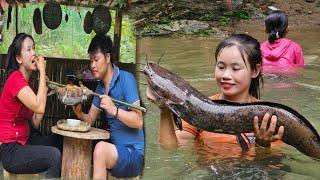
(109, 177)
(8, 175)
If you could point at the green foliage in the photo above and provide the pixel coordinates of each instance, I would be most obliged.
(174, 15)
(150, 27)
(225, 21)
(208, 17)
(128, 42)
(202, 33)
(122, 3)
(318, 4)
(241, 14)
(227, 18)
(165, 20)
(69, 40)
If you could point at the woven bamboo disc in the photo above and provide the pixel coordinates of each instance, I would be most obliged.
(37, 21)
(83, 127)
(101, 19)
(87, 23)
(52, 15)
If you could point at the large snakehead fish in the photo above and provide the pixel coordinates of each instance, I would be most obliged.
(70, 94)
(227, 117)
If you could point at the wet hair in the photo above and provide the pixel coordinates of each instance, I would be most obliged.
(11, 63)
(249, 48)
(103, 43)
(276, 24)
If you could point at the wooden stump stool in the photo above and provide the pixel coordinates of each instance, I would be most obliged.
(110, 177)
(8, 175)
(77, 152)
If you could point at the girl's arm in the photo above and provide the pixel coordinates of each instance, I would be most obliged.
(36, 120)
(36, 102)
(168, 137)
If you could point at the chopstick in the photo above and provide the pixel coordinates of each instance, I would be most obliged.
(114, 100)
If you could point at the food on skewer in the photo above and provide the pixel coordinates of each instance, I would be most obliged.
(72, 94)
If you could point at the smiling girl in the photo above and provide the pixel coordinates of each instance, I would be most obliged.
(238, 74)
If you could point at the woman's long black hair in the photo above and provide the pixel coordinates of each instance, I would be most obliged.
(14, 50)
(276, 25)
(249, 48)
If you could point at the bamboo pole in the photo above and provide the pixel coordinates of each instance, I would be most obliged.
(17, 20)
(117, 35)
(99, 95)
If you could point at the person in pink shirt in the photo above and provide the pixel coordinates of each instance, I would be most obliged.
(279, 52)
(22, 152)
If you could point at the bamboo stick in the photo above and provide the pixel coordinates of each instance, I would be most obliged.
(123, 103)
(55, 83)
(114, 100)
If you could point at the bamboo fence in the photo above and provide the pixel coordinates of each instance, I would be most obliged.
(57, 69)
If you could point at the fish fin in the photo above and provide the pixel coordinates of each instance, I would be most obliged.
(51, 92)
(243, 141)
(177, 121)
(175, 108)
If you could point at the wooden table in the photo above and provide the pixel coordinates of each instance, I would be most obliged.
(77, 151)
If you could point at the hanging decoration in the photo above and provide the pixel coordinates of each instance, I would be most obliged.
(52, 15)
(37, 21)
(9, 16)
(101, 19)
(87, 23)
(66, 17)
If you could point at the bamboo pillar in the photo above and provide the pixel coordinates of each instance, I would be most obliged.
(17, 20)
(117, 35)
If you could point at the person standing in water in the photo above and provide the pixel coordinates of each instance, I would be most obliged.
(238, 74)
(278, 51)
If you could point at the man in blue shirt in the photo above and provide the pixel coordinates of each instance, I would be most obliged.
(123, 157)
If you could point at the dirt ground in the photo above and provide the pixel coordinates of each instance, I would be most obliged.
(302, 15)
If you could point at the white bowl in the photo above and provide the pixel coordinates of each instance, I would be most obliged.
(73, 122)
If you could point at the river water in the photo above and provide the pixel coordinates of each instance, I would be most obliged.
(193, 59)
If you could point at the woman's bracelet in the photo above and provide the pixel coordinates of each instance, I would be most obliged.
(116, 116)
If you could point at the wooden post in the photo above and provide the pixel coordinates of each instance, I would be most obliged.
(17, 19)
(77, 151)
(229, 4)
(117, 35)
(78, 160)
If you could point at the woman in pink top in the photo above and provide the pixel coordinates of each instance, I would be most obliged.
(21, 152)
(279, 52)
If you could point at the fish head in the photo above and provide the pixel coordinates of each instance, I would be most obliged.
(151, 71)
(153, 92)
(160, 88)
(154, 81)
